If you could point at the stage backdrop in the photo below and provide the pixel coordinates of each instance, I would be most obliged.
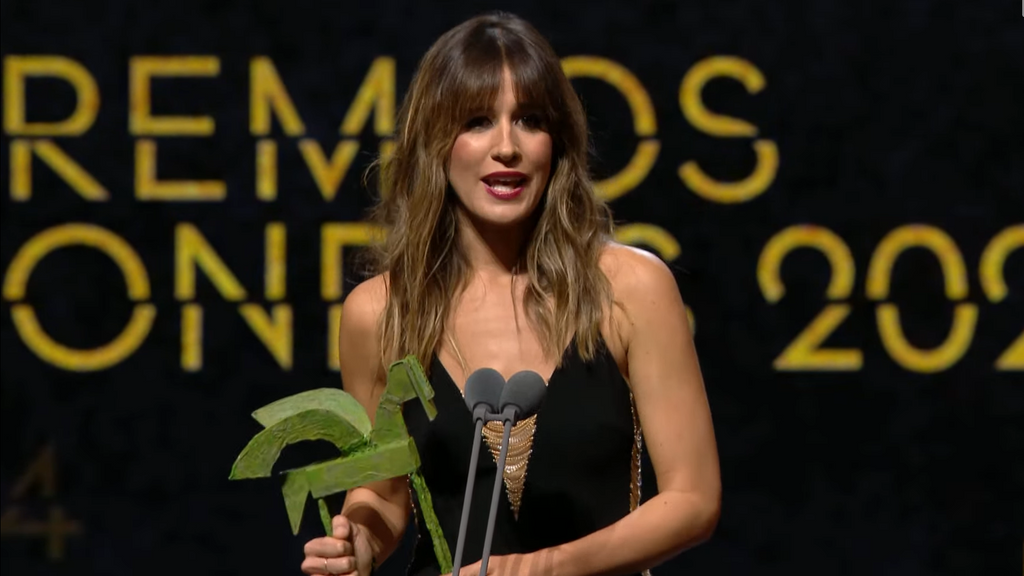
(838, 186)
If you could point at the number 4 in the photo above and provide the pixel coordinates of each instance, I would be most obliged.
(42, 472)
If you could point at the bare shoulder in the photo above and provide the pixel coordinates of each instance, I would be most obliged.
(359, 354)
(364, 305)
(645, 292)
(633, 272)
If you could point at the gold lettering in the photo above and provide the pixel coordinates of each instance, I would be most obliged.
(70, 171)
(376, 94)
(333, 341)
(806, 352)
(149, 187)
(276, 261)
(63, 165)
(333, 239)
(328, 174)
(965, 315)
(191, 337)
(18, 68)
(645, 124)
(993, 262)
(21, 170)
(769, 266)
(266, 170)
(993, 282)
(142, 69)
(267, 94)
(42, 471)
(57, 528)
(27, 324)
(193, 251)
(658, 238)
(692, 103)
(274, 330)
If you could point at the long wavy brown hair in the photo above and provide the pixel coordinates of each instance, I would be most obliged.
(424, 267)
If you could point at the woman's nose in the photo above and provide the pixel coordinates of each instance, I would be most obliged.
(506, 147)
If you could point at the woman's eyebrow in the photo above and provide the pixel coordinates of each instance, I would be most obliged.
(528, 108)
(475, 111)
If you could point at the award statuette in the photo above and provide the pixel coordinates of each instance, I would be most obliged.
(368, 453)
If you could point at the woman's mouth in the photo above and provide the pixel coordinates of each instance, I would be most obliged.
(505, 188)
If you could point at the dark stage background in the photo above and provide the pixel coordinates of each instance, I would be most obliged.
(839, 187)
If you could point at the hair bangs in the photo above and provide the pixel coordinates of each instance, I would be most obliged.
(475, 74)
(472, 82)
(536, 88)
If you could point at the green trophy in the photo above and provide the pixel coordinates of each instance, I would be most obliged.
(368, 453)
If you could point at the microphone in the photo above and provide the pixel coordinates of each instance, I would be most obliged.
(520, 399)
(483, 397)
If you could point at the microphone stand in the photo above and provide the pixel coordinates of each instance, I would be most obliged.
(479, 415)
(509, 416)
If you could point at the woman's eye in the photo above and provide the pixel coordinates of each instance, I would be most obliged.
(532, 121)
(478, 122)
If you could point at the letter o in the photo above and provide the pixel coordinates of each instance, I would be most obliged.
(24, 316)
(645, 124)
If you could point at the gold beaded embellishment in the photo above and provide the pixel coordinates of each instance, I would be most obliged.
(635, 480)
(638, 443)
(520, 446)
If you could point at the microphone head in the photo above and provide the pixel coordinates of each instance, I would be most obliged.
(525, 391)
(484, 387)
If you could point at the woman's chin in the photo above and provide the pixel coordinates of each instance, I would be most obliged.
(501, 215)
(501, 220)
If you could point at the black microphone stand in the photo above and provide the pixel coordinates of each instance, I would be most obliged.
(479, 416)
(508, 417)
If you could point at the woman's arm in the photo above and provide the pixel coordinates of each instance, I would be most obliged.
(381, 509)
(673, 409)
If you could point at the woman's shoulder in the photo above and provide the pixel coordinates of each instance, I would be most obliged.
(364, 306)
(633, 272)
(359, 338)
(641, 285)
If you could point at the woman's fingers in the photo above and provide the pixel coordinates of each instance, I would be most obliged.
(341, 527)
(328, 547)
(321, 566)
(332, 555)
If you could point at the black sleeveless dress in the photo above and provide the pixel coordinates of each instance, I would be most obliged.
(581, 475)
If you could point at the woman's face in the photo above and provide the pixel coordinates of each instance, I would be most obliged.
(501, 161)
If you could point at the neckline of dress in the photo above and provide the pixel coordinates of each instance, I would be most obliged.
(571, 347)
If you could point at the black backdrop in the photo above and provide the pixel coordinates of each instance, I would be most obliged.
(824, 140)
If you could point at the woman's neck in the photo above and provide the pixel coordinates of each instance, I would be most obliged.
(493, 250)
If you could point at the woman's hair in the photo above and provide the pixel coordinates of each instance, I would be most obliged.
(424, 266)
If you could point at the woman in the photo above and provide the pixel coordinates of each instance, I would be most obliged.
(498, 255)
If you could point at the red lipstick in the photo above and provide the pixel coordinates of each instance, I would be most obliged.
(505, 185)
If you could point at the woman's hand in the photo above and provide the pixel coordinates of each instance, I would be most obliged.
(347, 551)
(536, 564)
